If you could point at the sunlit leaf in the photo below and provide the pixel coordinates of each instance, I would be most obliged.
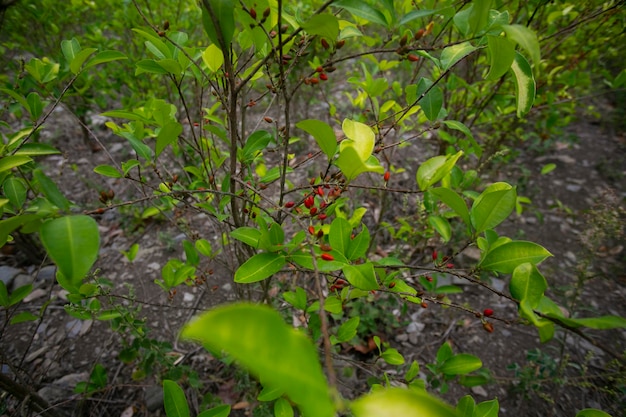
(395, 402)
(280, 356)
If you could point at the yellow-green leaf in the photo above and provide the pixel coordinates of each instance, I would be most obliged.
(279, 355)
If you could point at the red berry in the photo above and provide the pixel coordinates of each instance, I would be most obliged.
(341, 43)
(392, 284)
(429, 278)
(434, 255)
(309, 201)
(488, 312)
(424, 304)
(312, 230)
(313, 211)
(268, 119)
(289, 204)
(419, 34)
(323, 77)
(320, 234)
(325, 43)
(413, 58)
(449, 265)
(387, 176)
(327, 257)
(322, 216)
(252, 13)
(314, 80)
(320, 191)
(319, 69)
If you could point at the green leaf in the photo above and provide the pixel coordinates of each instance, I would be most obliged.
(255, 143)
(461, 364)
(432, 103)
(547, 168)
(219, 411)
(282, 408)
(453, 54)
(357, 247)
(15, 190)
(23, 317)
(259, 267)
(339, 235)
(167, 134)
(248, 235)
(297, 298)
(174, 400)
(492, 207)
(154, 44)
(415, 14)
(465, 406)
(37, 149)
(360, 137)
(362, 10)
(4, 295)
(213, 57)
(105, 56)
(453, 200)
(35, 105)
(434, 169)
(396, 402)
(333, 305)
(322, 133)
(442, 226)
(72, 242)
(479, 15)
(412, 372)
(80, 58)
(221, 17)
(149, 66)
(592, 412)
(501, 56)
(258, 338)
(191, 253)
(108, 171)
(361, 276)
(70, 48)
(348, 329)
(528, 284)
(526, 38)
(324, 25)
(487, 409)
(204, 247)
(599, 323)
(19, 294)
(525, 88)
(10, 162)
(50, 190)
(392, 357)
(505, 258)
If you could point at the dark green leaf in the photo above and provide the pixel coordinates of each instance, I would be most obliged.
(259, 267)
(174, 400)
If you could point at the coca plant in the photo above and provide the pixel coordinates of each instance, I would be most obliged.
(364, 83)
